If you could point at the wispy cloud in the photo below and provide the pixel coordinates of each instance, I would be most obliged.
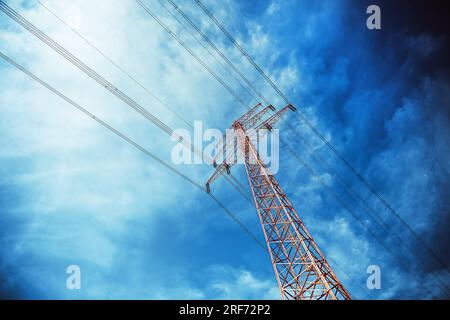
(71, 193)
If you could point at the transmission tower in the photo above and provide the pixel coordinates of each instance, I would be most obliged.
(301, 269)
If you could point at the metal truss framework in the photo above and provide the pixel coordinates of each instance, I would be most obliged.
(301, 269)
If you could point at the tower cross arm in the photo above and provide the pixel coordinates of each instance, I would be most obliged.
(223, 167)
(269, 123)
(249, 113)
(253, 121)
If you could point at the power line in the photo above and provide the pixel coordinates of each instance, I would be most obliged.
(119, 67)
(114, 63)
(95, 76)
(369, 210)
(192, 53)
(318, 134)
(83, 67)
(353, 213)
(349, 189)
(361, 222)
(237, 187)
(204, 64)
(324, 163)
(195, 56)
(127, 140)
(207, 50)
(231, 64)
(133, 143)
(211, 43)
(211, 16)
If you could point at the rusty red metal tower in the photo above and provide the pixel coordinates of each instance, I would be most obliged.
(301, 269)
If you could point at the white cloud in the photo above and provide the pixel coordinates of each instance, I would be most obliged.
(273, 7)
(83, 186)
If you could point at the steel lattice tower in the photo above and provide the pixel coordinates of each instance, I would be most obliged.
(301, 269)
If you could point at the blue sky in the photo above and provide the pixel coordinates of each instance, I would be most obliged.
(73, 193)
